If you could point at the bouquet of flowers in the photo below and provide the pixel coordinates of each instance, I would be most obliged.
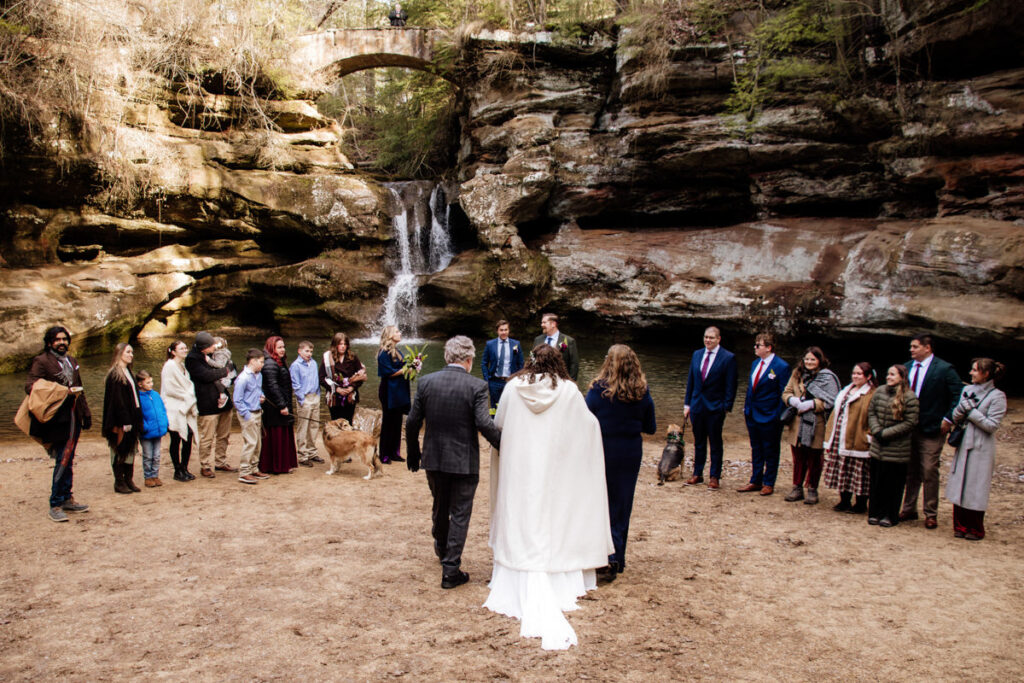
(413, 364)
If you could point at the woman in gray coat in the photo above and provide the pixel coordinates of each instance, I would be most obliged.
(892, 415)
(980, 410)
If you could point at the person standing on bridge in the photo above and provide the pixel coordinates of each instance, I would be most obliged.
(398, 16)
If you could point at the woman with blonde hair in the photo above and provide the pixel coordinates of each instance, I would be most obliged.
(122, 417)
(892, 415)
(341, 375)
(394, 393)
(620, 399)
(980, 411)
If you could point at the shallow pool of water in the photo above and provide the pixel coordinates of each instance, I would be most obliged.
(666, 368)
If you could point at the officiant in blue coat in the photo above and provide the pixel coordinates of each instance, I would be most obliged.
(502, 358)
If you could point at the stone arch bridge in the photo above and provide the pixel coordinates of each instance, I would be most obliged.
(335, 53)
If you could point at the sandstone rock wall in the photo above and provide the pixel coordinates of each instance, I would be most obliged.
(876, 210)
(586, 186)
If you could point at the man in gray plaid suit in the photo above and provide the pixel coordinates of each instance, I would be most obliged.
(454, 405)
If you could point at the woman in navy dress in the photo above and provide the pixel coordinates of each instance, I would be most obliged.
(620, 400)
(394, 394)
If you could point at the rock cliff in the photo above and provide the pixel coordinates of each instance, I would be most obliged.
(588, 187)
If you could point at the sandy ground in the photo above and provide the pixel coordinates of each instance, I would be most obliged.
(308, 577)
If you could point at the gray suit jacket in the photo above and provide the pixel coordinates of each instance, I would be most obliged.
(454, 405)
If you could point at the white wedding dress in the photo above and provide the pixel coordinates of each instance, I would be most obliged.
(549, 508)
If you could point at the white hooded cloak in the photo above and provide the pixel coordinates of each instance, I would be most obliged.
(549, 507)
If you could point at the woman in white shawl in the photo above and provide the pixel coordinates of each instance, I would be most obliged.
(549, 504)
(179, 395)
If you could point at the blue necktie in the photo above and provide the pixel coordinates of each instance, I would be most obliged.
(501, 357)
(549, 341)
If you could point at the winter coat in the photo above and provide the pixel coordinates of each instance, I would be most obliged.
(277, 387)
(970, 475)
(119, 409)
(204, 377)
(853, 431)
(890, 439)
(154, 415)
(179, 396)
(795, 387)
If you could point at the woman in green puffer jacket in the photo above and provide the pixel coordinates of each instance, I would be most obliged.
(892, 416)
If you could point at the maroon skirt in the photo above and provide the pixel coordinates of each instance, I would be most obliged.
(278, 455)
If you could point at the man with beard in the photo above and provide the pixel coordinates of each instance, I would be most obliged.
(60, 433)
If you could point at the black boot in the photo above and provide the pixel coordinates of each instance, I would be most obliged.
(186, 454)
(860, 507)
(119, 485)
(844, 502)
(128, 470)
(177, 467)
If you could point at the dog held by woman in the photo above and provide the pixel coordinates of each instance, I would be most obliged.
(343, 444)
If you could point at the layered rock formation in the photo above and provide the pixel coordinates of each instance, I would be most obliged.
(883, 211)
(592, 182)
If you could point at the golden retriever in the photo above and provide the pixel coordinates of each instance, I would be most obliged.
(344, 444)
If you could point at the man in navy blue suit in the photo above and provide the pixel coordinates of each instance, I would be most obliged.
(502, 357)
(762, 408)
(710, 393)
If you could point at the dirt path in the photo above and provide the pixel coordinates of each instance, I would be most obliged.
(307, 577)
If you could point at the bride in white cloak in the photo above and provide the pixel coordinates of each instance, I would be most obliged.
(549, 503)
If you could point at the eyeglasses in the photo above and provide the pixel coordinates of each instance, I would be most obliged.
(757, 344)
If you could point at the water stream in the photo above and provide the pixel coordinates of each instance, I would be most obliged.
(421, 250)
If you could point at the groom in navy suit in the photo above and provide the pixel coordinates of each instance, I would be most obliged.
(762, 408)
(710, 393)
(502, 357)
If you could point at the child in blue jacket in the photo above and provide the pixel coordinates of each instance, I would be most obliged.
(154, 426)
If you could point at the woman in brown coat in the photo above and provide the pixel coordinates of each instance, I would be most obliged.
(847, 462)
(811, 392)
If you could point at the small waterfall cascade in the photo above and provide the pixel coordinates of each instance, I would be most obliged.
(423, 246)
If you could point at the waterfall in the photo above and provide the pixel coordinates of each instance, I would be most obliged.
(418, 254)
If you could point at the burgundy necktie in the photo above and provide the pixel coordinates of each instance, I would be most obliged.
(704, 367)
(757, 377)
(913, 382)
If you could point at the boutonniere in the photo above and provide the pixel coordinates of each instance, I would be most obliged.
(563, 346)
(771, 374)
(515, 349)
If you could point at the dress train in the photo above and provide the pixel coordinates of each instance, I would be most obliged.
(538, 600)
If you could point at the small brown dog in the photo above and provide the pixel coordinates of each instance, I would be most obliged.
(344, 444)
(670, 467)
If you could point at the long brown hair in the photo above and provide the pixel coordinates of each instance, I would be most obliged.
(117, 366)
(868, 371)
(544, 361)
(899, 399)
(621, 375)
(337, 339)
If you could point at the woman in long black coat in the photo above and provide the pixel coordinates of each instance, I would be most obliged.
(122, 417)
(278, 454)
(622, 403)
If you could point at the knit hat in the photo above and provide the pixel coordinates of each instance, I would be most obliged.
(204, 340)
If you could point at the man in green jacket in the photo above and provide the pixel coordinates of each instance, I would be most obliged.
(937, 387)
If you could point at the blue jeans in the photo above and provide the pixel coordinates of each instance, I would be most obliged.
(150, 457)
(60, 488)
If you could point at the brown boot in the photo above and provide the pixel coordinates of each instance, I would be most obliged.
(129, 468)
(150, 483)
(119, 485)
